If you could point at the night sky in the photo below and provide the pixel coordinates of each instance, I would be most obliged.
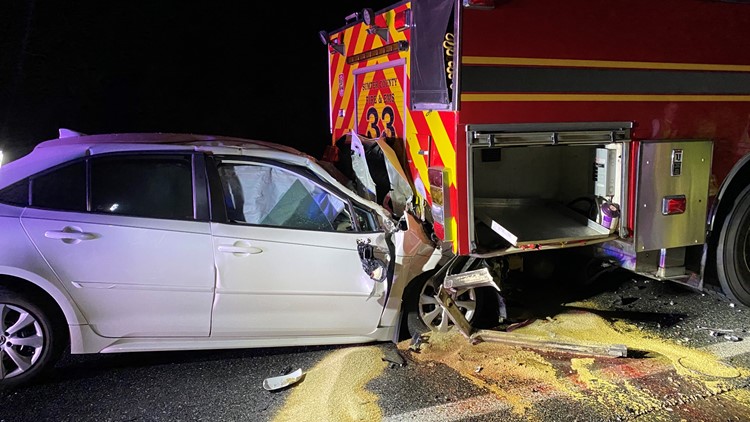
(251, 69)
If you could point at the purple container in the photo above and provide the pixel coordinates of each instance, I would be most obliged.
(610, 215)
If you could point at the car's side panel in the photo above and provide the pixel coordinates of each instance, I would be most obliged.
(299, 283)
(19, 259)
(131, 276)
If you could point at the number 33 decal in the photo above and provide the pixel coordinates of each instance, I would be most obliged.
(385, 120)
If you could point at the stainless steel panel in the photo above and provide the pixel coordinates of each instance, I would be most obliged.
(653, 230)
(527, 221)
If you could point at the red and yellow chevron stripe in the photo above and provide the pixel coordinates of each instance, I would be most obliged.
(370, 97)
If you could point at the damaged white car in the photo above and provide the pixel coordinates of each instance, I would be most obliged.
(145, 242)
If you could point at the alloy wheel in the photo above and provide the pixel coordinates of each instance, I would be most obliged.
(435, 317)
(21, 340)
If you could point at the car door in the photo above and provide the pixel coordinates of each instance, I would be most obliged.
(128, 245)
(287, 257)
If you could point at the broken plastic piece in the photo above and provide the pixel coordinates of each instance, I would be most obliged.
(395, 358)
(277, 383)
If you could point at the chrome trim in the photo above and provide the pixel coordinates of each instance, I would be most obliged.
(548, 133)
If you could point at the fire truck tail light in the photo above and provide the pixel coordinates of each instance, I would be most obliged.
(402, 20)
(440, 206)
(479, 4)
(673, 205)
(437, 213)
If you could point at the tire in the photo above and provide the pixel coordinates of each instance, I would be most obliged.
(423, 314)
(733, 251)
(22, 321)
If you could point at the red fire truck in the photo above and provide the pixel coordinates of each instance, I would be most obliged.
(530, 125)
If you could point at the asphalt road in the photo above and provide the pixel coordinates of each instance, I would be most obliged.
(676, 370)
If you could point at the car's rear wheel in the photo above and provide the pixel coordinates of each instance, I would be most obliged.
(425, 314)
(733, 251)
(28, 344)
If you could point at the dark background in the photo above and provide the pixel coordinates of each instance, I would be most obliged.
(253, 69)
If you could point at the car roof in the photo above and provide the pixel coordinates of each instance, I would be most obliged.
(57, 151)
(187, 139)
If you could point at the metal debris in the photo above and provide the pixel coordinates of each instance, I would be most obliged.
(448, 304)
(611, 350)
(282, 381)
(416, 343)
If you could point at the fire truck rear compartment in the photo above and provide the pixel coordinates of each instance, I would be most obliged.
(524, 196)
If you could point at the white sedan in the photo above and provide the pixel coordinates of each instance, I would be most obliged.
(144, 242)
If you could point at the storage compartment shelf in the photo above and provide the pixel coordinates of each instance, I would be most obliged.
(535, 221)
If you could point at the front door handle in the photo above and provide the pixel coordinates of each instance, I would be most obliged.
(240, 249)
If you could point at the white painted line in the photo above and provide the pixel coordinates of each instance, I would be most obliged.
(729, 349)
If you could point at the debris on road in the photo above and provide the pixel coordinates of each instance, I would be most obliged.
(613, 350)
(720, 330)
(416, 342)
(282, 381)
(445, 299)
(624, 385)
(394, 358)
(335, 388)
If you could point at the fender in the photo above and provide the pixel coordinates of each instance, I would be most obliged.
(742, 167)
(72, 314)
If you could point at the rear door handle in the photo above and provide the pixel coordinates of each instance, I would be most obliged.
(69, 235)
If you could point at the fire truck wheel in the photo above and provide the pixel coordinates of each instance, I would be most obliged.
(733, 251)
(423, 313)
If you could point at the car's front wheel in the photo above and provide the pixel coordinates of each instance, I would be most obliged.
(425, 314)
(28, 344)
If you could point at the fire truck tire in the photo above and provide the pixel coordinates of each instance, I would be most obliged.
(733, 251)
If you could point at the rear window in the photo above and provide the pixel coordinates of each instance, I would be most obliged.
(16, 194)
(63, 189)
(143, 186)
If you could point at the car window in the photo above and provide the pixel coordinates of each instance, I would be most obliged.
(62, 189)
(153, 186)
(365, 220)
(270, 196)
(16, 194)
